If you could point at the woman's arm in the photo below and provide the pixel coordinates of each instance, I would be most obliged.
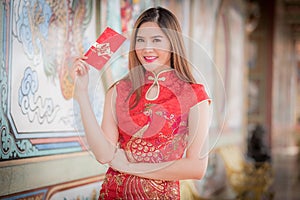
(193, 166)
(102, 140)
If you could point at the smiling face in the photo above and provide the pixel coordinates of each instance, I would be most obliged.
(152, 47)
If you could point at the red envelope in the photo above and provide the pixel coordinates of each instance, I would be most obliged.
(106, 44)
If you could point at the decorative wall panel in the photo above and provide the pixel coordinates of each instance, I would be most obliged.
(40, 39)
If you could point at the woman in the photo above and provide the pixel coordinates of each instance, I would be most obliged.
(155, 120)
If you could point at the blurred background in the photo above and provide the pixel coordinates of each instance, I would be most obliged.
(246, 52)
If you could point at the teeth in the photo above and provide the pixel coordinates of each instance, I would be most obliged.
(150, 57)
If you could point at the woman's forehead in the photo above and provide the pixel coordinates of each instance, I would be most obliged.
(150, 29)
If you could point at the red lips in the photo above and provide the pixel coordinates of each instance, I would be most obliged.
(150, 58)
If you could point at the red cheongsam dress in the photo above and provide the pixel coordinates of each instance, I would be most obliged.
(154, 131)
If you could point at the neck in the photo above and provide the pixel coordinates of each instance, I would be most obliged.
(156, 72)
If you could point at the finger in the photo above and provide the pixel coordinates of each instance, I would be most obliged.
(82, 64)
(76, 64)
(77, 59)
(84, 69)
(85, 65)
(84, 57)
(80, 60)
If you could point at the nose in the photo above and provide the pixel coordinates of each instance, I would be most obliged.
(148, 49)
(148, 46)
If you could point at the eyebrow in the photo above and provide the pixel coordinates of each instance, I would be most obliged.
(155, 36)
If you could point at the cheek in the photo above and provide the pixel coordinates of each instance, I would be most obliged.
(165, 54)
(166, 46)
(138, 54)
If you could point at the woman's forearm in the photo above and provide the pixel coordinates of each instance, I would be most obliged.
(102, 148)
(174, 170)
(185, 168)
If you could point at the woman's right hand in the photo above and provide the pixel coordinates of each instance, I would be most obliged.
(81, 77)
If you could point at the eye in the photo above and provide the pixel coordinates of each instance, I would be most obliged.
(139, 40)
(157, 40)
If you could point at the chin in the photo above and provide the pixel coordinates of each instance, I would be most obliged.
(150, 67)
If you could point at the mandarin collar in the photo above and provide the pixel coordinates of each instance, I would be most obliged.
(155, 79)
(162, 75)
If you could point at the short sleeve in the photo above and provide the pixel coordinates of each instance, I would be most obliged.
(201, 93)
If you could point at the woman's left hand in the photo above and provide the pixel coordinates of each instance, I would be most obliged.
(120, 161)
